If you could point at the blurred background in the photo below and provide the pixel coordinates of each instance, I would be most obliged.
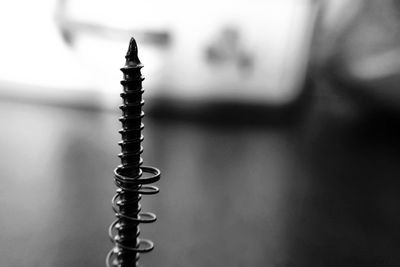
(274, 124)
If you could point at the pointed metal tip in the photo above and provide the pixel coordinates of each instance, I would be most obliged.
(132, 54)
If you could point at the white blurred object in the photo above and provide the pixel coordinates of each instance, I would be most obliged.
(33, 56)
(220, 50)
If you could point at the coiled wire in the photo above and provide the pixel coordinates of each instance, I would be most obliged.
(132, 179)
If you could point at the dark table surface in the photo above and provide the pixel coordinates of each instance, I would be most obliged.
(323, 191)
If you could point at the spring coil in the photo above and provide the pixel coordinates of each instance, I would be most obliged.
(132, 179)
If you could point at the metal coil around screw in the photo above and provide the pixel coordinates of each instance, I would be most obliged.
(132, 179)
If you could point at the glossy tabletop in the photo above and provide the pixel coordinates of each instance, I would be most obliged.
(322, 191)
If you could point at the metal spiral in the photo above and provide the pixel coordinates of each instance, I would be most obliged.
(132, 179)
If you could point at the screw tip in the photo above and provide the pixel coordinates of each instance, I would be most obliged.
(132, 54)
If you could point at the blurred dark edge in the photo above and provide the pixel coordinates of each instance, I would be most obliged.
(371, 98)
(219, 112)
(376, 97)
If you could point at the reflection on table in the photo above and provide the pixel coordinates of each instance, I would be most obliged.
(320, 192)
